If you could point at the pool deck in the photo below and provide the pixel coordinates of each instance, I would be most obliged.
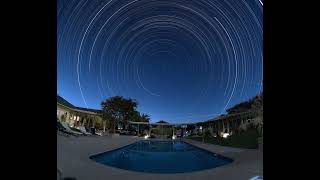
(73, 161)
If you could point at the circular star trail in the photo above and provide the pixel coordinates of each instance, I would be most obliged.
(182, 60)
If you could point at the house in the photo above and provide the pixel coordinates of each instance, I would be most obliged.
(78, 116)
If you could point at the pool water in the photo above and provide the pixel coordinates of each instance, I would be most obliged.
(161, 157)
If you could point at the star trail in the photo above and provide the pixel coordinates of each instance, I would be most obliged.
(182, 60)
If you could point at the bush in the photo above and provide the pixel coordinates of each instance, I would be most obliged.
(217, 134)
(152, 136)
(206, 134)
(155, 131)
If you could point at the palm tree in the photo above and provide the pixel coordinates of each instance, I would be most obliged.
(145, 118)
(134, 116)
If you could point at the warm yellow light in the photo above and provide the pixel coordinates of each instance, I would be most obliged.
(225, 135)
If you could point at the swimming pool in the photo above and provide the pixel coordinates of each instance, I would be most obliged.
(161, 157)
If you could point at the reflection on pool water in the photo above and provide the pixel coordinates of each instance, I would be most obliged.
(161, 157)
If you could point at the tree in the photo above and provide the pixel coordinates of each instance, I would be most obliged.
(134, 116)
(206, 135)
(253, 104)
(117, 109)
(145, 118)
(257, 105)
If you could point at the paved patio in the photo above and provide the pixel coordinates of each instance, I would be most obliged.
(73, 161)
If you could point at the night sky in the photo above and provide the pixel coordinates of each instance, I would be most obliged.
(182, 60)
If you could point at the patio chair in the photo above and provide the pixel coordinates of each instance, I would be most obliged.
(100, 133)
(63, 130)
(83, 130)
(69, 129)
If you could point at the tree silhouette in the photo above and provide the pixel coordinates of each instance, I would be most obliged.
(116, 109)
(145, 118)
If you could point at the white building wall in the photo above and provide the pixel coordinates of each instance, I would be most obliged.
(60, 112)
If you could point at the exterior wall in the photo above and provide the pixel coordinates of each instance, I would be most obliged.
(60, 112)
(76, 118)
(63, 111)
(233, 123)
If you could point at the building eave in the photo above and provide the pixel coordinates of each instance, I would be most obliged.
(78, 110)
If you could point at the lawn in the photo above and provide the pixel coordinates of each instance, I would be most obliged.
(246, 139)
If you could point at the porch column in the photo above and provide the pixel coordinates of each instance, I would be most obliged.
(70, 117)
(172, 130)
(161, 130)
(104, 125)
(228, 127)
(67, 116)
(88, 123)
(94, 122)
(76, 118)
(222, 126)
(84, 122)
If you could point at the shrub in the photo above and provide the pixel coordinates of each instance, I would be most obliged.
(217, 134)
(152, 136)
(206, 134)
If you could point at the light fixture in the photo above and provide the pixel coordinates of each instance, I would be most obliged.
(173, 137)
(146, 137)
(225, 135)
